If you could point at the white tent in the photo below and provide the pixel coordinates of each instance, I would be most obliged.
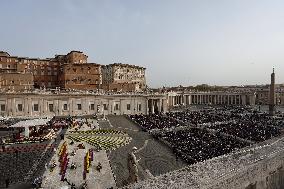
(30, 123)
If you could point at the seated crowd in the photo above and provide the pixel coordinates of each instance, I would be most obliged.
(254, 127)
(196, 145)
(196, 117)
(212, 115)
(154, 121)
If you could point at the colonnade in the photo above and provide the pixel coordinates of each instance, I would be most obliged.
(211, 98)
(155, 105)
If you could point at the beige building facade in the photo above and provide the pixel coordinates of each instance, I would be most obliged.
(46, 104)
(123, 77)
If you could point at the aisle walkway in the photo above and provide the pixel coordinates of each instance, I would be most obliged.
(95, 179)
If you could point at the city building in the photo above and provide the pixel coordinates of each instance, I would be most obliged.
(123, 77)
(70, 71)
(80, 76)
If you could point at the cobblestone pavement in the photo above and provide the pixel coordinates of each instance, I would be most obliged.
(95, 179)
(156, 157)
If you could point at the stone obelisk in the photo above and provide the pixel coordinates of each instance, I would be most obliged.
(272, 95)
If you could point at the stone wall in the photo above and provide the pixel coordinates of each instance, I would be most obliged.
(255, 167)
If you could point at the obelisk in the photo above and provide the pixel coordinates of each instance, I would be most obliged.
(272, 95)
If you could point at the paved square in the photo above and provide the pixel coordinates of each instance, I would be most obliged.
(95, 179)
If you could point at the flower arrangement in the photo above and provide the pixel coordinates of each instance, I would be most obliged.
(62, 149)
(87, 162)
(63, 160)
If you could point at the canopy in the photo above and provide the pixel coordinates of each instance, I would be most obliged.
(30, 123)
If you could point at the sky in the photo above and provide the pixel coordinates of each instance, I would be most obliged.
(180, 42)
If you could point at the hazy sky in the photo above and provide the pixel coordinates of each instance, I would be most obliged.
(187, 42)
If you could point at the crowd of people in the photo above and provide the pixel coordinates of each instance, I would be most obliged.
(210, 115)
(253, 127)
(211, 132)
(194, 145)
(197, 117)
(154, 121)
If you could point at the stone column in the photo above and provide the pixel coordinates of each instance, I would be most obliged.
(13, 106)
(146, 106)
(252, 100)
(69, 106)
(55, 107)
(86, 108)
(30, 109)
(159, 104)
(165, 107)
(152, 109)
(40, 106)
(228, 99)
(44, 107)
(60, 107)
(243, 99)
(207, 99)
(197, 99)
(10, 107)
(217, 99)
